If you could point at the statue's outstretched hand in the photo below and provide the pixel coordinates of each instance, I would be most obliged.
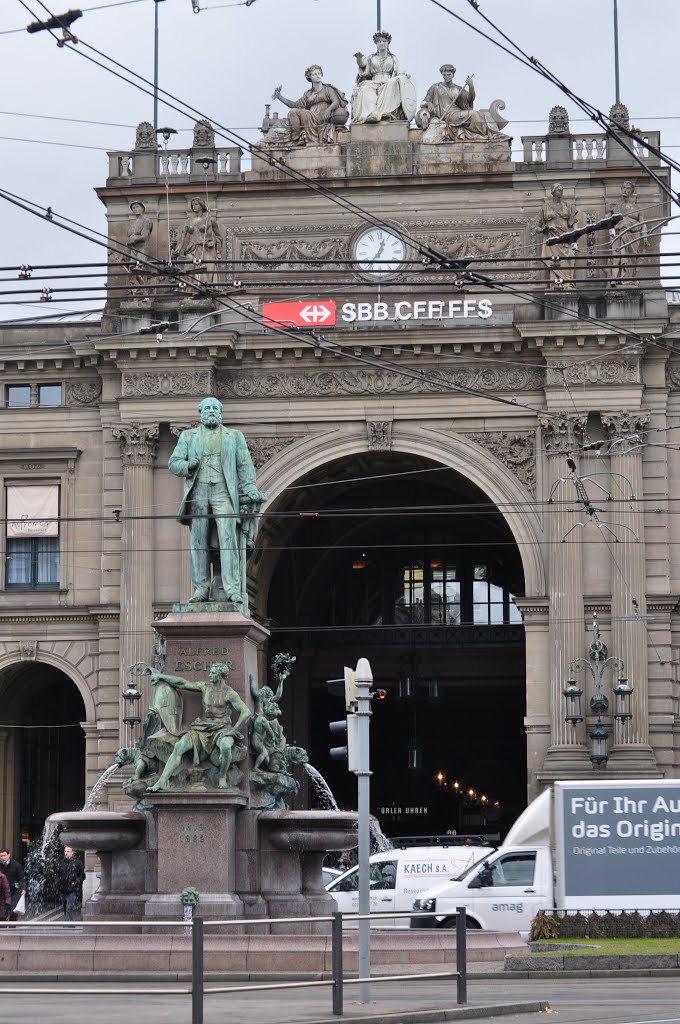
(276, 95)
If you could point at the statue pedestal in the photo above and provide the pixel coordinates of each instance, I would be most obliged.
(194, 845)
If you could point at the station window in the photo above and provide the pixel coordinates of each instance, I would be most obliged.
(26, 396)
(49, 394)
(32, 536)
(18, 396)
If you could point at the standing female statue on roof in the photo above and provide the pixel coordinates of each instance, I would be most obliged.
(383, 92)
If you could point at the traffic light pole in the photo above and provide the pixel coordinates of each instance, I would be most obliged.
(364, 679)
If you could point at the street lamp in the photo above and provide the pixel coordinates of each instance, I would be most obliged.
(597, 664)
(572, 695)
(131, 717)
(623, 692)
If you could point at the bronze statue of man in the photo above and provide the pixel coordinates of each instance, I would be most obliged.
(219, 503)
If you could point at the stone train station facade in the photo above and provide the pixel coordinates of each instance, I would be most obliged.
(411, 447)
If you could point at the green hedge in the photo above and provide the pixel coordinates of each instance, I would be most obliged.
(623, 924)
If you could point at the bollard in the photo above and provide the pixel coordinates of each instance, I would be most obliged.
(461, 955)
(197, 971)
(336, 955)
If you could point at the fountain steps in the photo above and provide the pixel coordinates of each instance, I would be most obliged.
(81, 953)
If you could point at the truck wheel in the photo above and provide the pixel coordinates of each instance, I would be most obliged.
(450, 922)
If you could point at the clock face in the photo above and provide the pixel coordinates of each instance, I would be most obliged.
(379, 252)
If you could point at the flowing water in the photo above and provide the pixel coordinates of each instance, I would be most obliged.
(45, 854)
(327, 802)
(322, 791)
(91, 802)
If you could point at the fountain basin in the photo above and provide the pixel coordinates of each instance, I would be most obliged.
(310, 831)
(100, 830)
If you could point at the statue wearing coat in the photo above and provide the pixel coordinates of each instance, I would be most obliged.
(220, 504)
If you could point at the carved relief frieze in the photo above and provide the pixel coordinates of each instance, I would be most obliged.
(624, 370)
(379, 435)
(309, 248)
(138, 443)
(83, 392)
(673, 374)
(516, 451)
(455, 237)
(149, 384)
(262, 449)
(370, 381)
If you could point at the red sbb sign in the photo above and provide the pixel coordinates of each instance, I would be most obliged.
(319, 313)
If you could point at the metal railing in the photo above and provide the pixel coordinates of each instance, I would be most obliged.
(198, 990)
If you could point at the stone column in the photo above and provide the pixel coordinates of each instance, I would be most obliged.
(628, 576)
(562, 437)
(138, 444)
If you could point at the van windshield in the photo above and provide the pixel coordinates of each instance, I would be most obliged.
(472, 867)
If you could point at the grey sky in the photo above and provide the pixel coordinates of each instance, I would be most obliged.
(227, 60)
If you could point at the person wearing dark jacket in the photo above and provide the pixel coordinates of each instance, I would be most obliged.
(71, 878)
(5, 898)
(14, 873)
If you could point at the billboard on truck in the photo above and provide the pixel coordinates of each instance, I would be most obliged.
(617, 844)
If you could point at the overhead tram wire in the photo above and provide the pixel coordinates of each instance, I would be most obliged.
(594, 115)
(297, 175)
(426, 251)
(279, 328)
(602, 120)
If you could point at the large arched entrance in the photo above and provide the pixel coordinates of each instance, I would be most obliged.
(43, 758)
(392, 557)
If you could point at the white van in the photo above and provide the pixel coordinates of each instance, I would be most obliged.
(399, 876)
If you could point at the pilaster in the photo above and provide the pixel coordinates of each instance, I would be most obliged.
(562, 436)
(138, 444)
(629, 608)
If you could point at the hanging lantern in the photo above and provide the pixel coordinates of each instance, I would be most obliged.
(406, 687)
(414, 756)
(623, 692)
(131, 698)
(598, 745)
(572, 695)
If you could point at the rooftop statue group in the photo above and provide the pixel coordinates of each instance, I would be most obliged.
(383, 91)
(206, 752)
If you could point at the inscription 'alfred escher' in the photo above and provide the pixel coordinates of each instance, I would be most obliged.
(198, 657)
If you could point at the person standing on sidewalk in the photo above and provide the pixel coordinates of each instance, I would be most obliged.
(14, 873)
(5, 898)
(71, 878)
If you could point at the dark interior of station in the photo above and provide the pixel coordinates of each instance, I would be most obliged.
(402, 561)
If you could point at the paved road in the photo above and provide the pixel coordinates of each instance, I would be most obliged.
(573, 1001)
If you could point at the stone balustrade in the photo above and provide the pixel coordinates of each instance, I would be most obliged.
(587, 147)
(176, 163)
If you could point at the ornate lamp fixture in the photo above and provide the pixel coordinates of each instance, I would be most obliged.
(131, 717)
(597, 664)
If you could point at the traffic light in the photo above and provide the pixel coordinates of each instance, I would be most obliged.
(346, 728)
(350, 689)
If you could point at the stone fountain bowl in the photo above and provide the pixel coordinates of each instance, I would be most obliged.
(311, 831)
(100, 830)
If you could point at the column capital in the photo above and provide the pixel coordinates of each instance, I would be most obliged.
(624, 426)
(562, 432)
(138, 443)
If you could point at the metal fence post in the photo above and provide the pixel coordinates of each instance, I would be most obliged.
(197, 971)
(461, 954)
(336, 955)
